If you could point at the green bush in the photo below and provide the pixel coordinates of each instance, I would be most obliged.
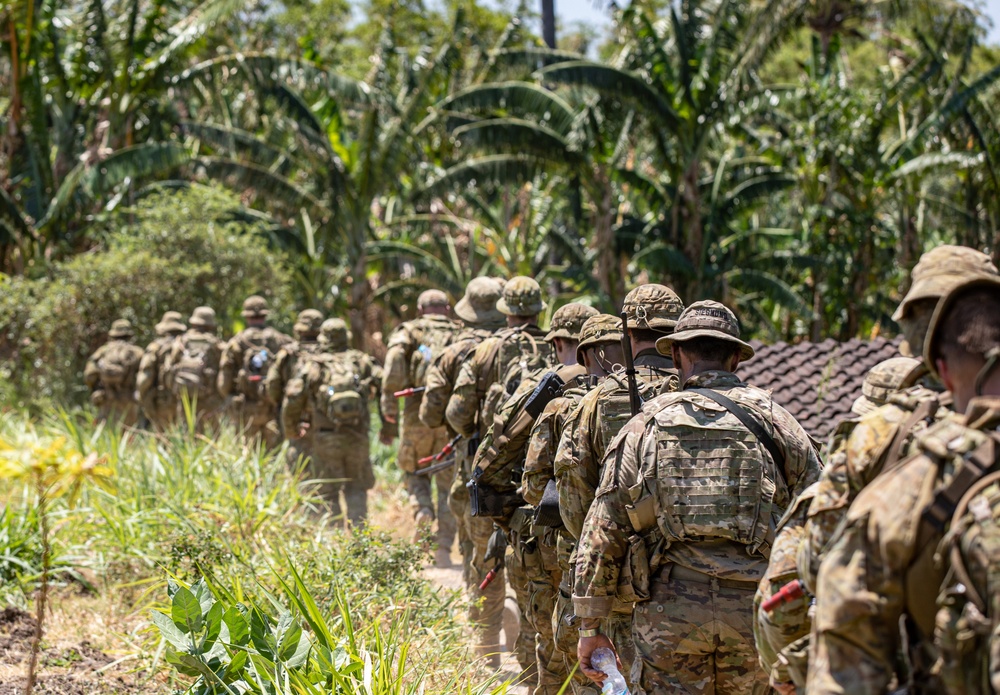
(172, 250)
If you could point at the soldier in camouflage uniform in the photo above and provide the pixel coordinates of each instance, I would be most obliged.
(246, 360)
(328, 399)
(876, 610)
(652, 312)
(782, 635)
(307, 328)
(158, 403)
(478, 311)
(192, 367)
(412, 348)
(498, 467)
(110, 375)
(600, 353)
(683, 520)
(484, 380)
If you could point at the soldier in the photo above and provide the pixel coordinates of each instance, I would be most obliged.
(245, 363)
(496, 473)
(651, 312)
(876, 589)
(478, 311)
(600, 352)
(484, 381)
(413, 346)
(157, 401)
(283, 370)
(328, 400)
(191, 369)
(782, 634)
(683, 519)
(110, 375)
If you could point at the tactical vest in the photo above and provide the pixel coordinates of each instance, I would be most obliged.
(338, 389)
(118, 360)
(614, 409)
(434, 337)
(192, 372)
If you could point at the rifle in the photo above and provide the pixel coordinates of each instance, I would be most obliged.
(634, 401)
(445, 450)
(431, 470)
(409, 392)
(788, 593)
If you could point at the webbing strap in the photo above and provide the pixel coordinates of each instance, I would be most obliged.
(743, 416)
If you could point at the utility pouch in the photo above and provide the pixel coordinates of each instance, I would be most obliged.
(633, 580)
(642, 512)
(547, 513)
(484, 500)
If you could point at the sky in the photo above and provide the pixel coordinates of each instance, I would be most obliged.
(589, 11)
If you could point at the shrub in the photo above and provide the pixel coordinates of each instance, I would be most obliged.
(173, 250)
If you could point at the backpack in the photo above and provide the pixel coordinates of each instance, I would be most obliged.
(257, 360)
(115, 365)
(191, 373)
(434, 339)
(516, 354)
(339, 390)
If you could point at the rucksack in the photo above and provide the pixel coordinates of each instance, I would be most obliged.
(191, 373)
(338, 390)
(434, 339)
(114, 366)
(257, 360)
(516, 354)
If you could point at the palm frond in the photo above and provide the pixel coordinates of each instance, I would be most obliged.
(934, 160)
(522, 99)
(516, 136)
(501, 169)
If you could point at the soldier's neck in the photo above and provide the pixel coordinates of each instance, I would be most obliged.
(518, 321)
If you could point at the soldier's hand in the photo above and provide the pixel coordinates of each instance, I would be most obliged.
(585, 647)
(388, 418)
(783, 688)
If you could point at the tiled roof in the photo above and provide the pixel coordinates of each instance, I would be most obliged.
(816, 382)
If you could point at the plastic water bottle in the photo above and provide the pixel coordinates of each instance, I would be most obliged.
(603, 659)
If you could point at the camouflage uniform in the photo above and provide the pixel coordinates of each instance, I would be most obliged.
(876, 609)
(692, 561)
(782, 635)
(158, 403)
(191, 369)
(555, 647)
(468, 413)
(110, 375)
(338, 451)
(478, 310)
(600, 416)
(411, 349)
(241, 379)
(285, 366)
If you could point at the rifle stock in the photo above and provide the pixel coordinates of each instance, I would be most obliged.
(634, 401)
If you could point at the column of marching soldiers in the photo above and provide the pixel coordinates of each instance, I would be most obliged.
(636, 494)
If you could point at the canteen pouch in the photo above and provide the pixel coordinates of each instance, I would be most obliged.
(633, 580)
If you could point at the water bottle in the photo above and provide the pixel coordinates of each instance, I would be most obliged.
(603, 659)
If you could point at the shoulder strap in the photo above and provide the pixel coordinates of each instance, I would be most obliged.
(894, 452)
(743, 416)
(482, 380)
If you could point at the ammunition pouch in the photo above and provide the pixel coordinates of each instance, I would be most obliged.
(633, 579)
(547, 513)
(487, 502)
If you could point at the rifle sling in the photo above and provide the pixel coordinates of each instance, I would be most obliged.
(743, 416)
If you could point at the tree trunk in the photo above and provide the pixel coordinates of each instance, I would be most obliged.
(692, 232)
(549, 23)
(361, 291)
(609, 276)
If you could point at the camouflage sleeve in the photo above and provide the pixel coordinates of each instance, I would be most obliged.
(133, 375)
(293, 406)
(145, 379)
(604, 539)
(438, 383)
(577, 472)
(826, 510)
(542, 446)
(229, 367)
(802, 464)
(395, 375)
(91, 374)
(274, 383)
(463, 406)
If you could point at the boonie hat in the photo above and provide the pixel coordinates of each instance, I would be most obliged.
(203, 317)
(120, 329)
(884, 379)
(941, 269)
(479, 305)
(568, 319)
(429, 298)
(255, 307)
(522, 296)
(603, 328)
(942, 309)
(308, 322)
(172, 322)
(706, 319)
(652, 306)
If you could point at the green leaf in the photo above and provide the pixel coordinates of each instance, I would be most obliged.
(185, 610)
(239, 660)
(239, 627)
(170, 632)
(213, 625)
(522, 99)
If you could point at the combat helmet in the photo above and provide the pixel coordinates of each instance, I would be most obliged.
(654, 307)
(308, 324)
(479, 305)
(884, 379)
(334, 335)
(203, 317)
(522, 296)
(432, 298)
(171, 323)
(255, 307)
(706, 319)
(568, 319)
(599, 329)
(120, 329)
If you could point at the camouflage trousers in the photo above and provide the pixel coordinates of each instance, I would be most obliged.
(120, 409)
(257, 420)
(160, 408)
(522, 559)
(418, 441)
(339, 461)
(486, 609)
(207, 412)
(696, 638)
(458, 505)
